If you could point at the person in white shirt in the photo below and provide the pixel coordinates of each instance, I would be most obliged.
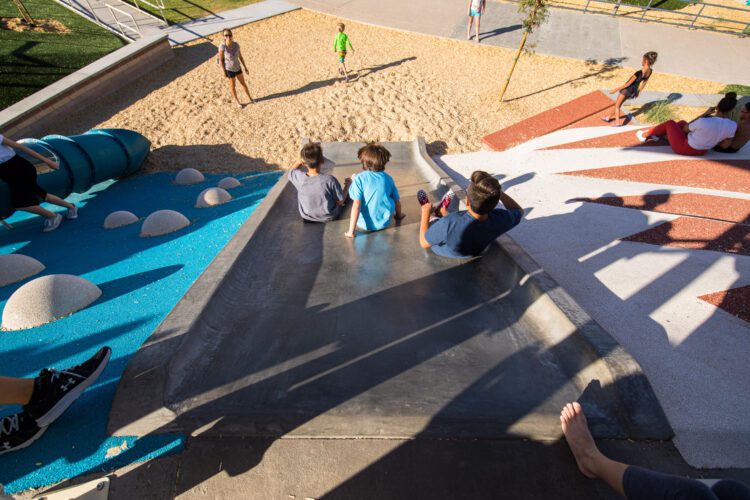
(695, 138)
(476, 9)
(25, 193)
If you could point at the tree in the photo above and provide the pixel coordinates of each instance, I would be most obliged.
(24, 13)
(535, 13)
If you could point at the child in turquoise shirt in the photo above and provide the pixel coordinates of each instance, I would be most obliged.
(339, 46)
(374, 195)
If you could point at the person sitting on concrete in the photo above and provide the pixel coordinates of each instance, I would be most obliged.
(635, 482)
(44, 399)
(375, 198)
(741, 137)
(319, 195)
(25, 193)
(467, 233)
(705, 132)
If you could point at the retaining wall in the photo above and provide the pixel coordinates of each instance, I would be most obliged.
(36, 115)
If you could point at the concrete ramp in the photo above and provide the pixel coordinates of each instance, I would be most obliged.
(296, 331)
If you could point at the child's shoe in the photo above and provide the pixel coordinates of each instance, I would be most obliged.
(72, 213)
(422, 197)
(55, 390)
(445, 202)
(18, 431)
(52, 224)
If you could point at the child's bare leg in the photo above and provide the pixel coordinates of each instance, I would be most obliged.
(346, 73)
(37, 210)
(618, 105)
(592, 463)
(479, 20)
(55, 200)
(15, 391)
(234, 91)
(244, 85)
(468, 28)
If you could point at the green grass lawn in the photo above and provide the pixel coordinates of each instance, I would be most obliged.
(31, 61)
(180, 11)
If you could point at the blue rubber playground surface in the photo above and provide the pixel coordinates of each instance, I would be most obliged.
(141, 280)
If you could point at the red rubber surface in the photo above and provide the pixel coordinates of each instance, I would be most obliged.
(698, 234)
(698, 205)
(727, 175)
(548, 121)
(735, 301)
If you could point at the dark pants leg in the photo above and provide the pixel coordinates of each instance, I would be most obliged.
(644, 484)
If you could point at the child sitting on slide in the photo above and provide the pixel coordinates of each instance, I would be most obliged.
(467, 233)
(319, 195)
(374, 195)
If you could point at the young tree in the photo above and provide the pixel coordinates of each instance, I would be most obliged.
(535, 13)
(24, 13)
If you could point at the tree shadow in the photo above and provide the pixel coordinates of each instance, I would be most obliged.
(606, 69)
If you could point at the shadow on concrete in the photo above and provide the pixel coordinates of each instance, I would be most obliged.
(499, 31)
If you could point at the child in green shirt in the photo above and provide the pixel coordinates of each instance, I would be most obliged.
(339, 46)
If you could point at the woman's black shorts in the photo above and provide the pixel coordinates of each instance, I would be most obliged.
(20, 175)
(231, 74)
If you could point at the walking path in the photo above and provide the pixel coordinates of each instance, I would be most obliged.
(134, 23)
(697, 54)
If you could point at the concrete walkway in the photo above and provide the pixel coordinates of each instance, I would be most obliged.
(698, 54)
(134, 23)
(646, 295)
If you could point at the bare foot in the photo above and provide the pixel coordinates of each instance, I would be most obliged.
(576, 431)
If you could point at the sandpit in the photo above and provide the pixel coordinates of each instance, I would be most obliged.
(407, 85)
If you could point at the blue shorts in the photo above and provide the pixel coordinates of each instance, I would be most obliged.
(474, 13)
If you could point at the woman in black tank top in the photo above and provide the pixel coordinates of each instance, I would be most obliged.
(632, 88)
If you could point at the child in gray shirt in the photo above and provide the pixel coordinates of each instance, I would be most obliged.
(319, 195)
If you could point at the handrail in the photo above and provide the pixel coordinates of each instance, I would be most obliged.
(690, 19)
(121, 25)
(158, 6)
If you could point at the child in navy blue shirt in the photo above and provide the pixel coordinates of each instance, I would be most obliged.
(467, 233)
(374, 196)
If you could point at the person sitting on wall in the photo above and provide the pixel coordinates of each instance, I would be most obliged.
(25, 193)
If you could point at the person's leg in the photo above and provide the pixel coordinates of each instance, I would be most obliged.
(233, 90)
(731, 489)
(627, 480)
(640, 483)
(678, 140)
(592, 463)
(55, 200)
(659, 130)
(468, 27)
(241, 78)
(37, 210)
(618, 106)
(15, 391)
(479, 20)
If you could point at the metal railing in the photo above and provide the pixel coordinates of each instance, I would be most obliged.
(159, 5)
(689, 20)
(122, 26)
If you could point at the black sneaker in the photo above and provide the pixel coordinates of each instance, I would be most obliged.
(55, 390)
(18, 431)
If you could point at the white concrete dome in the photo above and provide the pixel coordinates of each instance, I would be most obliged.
(163, 222)
(47, 299)
(15, 267)
(229, 183)
(120, 218)
(211, 197)
(188, 176)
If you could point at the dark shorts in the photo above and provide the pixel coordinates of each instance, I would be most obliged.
(629, 92)
(20, 175)
(231, 74)
(645, 484)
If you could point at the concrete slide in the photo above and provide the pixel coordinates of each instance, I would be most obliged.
(85, 160)
(295, 331)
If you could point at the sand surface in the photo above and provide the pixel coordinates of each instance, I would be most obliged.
(406, 85)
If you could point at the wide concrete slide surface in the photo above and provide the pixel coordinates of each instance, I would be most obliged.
(297, 331)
